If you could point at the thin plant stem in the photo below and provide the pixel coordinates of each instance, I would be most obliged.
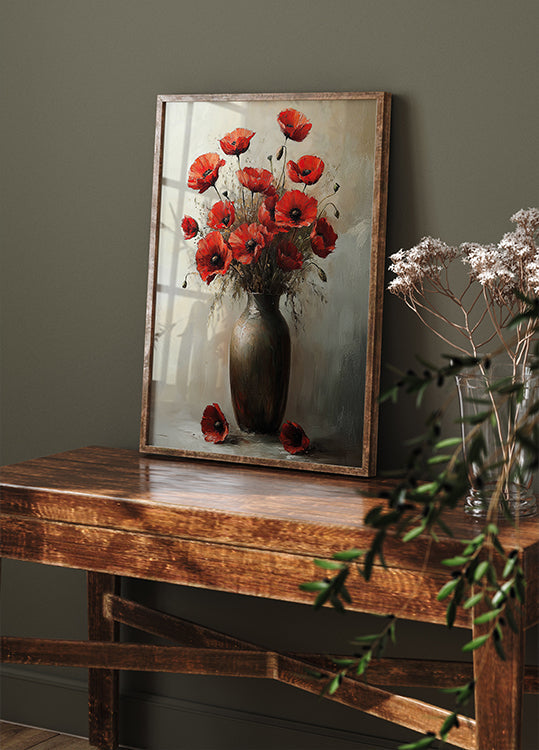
(437, 333)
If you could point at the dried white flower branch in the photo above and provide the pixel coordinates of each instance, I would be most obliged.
(499, 275)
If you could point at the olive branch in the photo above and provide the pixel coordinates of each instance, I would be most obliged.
(484, 577)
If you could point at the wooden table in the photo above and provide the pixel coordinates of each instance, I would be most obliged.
(250, 531)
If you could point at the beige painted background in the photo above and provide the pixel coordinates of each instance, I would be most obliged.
(79, 85)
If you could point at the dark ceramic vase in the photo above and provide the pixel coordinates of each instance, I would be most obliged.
(260, 365)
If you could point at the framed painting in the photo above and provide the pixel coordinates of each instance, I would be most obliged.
(264, 306)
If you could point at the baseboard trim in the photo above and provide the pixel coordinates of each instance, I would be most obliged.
(136, 701)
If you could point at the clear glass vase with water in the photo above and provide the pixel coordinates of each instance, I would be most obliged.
(497, 408)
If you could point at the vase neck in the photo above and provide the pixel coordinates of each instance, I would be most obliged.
(263, 302)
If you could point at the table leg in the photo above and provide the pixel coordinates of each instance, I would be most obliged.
(103, 688)
(498, 689)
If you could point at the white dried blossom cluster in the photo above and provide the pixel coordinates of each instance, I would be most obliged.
(501, 273)
(425, 260)
(533, 278)
(511, 265)
(527, 219)
(492, 268)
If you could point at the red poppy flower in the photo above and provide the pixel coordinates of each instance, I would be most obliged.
(189, 227)
(213, 424)
(295, 209)
(236, 142)
(323, 238)
(222, 215)
(293, 438)
(266, 212)
(248, 241)
(271, 192)
(308, 169)
(294, 124)
(289, 257)
(204, 171)
(212, 257)
(255, 180)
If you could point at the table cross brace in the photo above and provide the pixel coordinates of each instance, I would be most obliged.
(208, 652)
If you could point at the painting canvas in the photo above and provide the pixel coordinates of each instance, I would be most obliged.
(266, 264)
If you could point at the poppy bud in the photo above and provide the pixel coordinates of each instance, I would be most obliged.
(322, 275)
(279, 153)
(225, 193)
(184, 285)
(270, 157)
(336, 186)
(337, 214)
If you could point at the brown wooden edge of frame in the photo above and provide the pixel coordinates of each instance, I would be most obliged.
(377, 261)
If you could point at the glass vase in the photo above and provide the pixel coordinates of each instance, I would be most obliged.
(498, 464)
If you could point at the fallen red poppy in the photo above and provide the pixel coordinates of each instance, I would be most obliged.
(293, 438)
(213, 424)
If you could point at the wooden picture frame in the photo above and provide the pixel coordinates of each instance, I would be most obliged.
(264, 307)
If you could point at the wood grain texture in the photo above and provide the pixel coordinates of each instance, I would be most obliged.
(253, 531)
(246, 506)
(499, 687)
(172, 628)
(20, 737)
(152, 272)
(405, 593)
(200, 519)
(387, 671)
(103, 656)
(103, 684)
(376, 285)
(530, 565)
(404, 711)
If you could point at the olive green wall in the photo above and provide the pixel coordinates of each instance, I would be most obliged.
(80, 78)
